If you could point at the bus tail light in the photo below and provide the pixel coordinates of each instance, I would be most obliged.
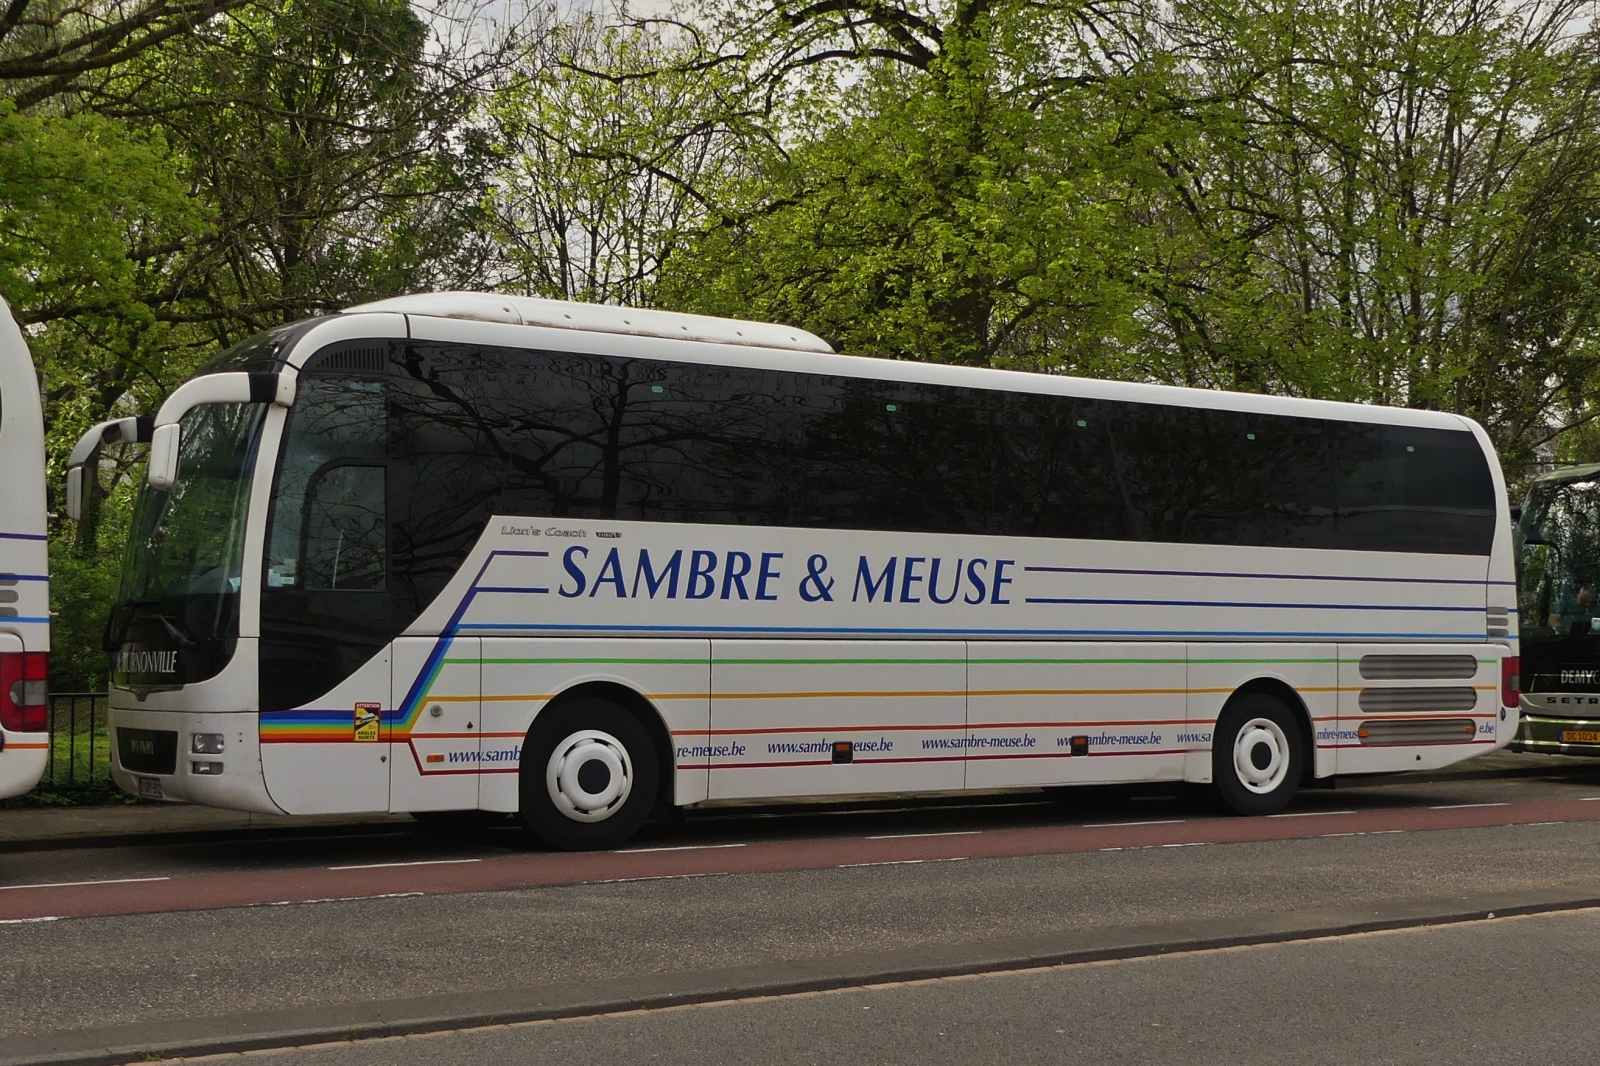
(24, 691)
(1511, 680)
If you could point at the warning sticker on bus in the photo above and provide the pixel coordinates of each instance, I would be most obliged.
(367, 720)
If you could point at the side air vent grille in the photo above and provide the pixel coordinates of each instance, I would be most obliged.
(8, 579)
(1419, 731)
(9, 612)
(1409, 667)
(368, 359)
(1497, 621)
(1398, 700)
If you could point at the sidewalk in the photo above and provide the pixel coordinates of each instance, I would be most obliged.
(30, 829)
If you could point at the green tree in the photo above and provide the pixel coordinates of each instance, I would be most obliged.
(949, 191)
(613, 148)
(1393, 202)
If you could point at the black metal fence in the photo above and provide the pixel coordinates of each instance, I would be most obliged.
(80, 743)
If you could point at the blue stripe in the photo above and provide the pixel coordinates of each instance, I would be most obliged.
(23, 536)
(1270, 577)
(1177, 633)
(506, 588)
(431, 664)
(1227, 603)
(25, 577)
(25, 618)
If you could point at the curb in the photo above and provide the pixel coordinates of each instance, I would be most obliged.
(142, 838)
(144, 1042)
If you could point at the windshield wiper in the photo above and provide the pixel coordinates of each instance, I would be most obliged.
(183, 639)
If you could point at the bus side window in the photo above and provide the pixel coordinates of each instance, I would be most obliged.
(345, 534)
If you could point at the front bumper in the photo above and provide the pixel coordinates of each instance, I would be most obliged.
(237, 786)
(1548, 715)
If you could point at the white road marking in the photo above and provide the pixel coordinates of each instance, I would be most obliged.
(29, 921)
(419, 862)
(75, 884)
(342, 899)
(1307, 814)
(1462, 806)
(908, 836)
(896, 862)
(1156, 821)
(679, 847)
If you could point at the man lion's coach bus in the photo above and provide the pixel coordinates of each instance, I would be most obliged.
(24, 584)
(464, 552)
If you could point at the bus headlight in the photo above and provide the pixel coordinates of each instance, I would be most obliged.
(206, 744)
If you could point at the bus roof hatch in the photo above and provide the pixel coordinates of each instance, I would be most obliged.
(598, 318)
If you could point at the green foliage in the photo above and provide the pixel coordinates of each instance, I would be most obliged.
(83, 199)
(1385, 202)
(611, 153)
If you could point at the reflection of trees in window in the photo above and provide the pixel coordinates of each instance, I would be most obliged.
(190, 541)
(333, 420)
(566, 435)
(345, 535)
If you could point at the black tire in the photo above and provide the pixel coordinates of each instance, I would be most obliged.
(458, 821)
(1268, 742)
(585, 772)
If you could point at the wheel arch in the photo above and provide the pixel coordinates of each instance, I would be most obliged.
(638, 705)
(1284, 692)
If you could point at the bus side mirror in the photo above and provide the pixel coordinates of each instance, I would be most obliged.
(75, 494)
(131, 430)
(235, 387)
(163, 469)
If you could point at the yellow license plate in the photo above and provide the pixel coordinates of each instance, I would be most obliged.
(1580, 736)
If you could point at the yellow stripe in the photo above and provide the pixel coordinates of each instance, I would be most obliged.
(1084, 691)
(825, 695)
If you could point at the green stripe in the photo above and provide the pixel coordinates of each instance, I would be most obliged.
(603, 661)
(1139, 662)
(838, 662)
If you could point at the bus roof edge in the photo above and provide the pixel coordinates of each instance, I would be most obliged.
(598, 318)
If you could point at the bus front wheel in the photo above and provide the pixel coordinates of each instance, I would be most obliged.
(1257, 754)
(589, 775)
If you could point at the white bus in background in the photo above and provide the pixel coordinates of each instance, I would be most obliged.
(24, 569)
(463, 552)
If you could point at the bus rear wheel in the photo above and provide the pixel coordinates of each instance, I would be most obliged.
(1257, 754)
(589, 775)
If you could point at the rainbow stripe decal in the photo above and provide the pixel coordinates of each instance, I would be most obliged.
(336, 725)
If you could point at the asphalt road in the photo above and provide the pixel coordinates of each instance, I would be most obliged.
(960, 877)
(1503, 991)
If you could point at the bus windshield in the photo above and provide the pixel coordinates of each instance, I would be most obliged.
(190, 540)
(178, 604)
(1558, 574)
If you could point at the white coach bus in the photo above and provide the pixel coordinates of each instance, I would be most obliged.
(24, 584)
(465, 552)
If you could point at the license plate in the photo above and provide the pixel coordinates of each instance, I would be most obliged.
(1580, 736)
(150, 787)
